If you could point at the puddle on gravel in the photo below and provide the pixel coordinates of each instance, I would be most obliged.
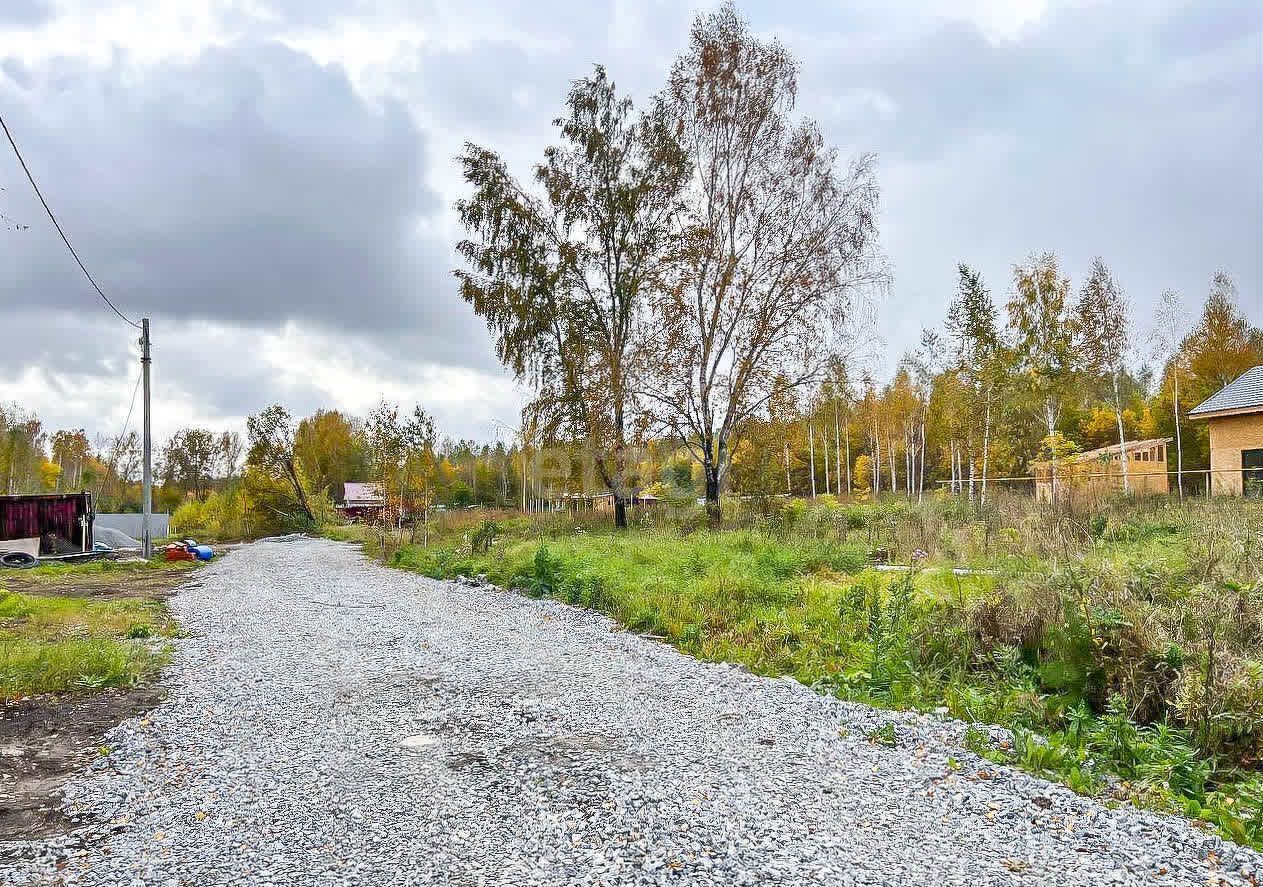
(419, 743)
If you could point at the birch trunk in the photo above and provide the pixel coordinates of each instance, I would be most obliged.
(824, 439)
(837, 448)
(986, 448)
(811, 451)
(921, 471)
(876, 462)
(1179, 447)
(1122, 439)
(789, 489)
(849, 487)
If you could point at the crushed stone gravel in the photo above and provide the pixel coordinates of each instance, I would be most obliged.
(333, 722)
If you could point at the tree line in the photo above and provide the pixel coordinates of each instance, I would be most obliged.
(996, 388)
(297, 466)
(684, 288)
(974, 401)
(697, 272)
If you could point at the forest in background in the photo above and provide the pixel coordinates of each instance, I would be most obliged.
(946, 415)
(689, 290)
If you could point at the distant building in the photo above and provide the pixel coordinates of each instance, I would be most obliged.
(1098, 473)
(600, 501)
(133, 524)
(361, 501)
(1235, 419)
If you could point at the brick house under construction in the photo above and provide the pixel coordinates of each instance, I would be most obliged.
(1235, 419)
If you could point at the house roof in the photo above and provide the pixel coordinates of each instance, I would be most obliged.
(1133, 446)
(1244, 395)
(353, 491)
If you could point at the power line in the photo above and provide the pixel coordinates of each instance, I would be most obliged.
(64, 239)
(116, 450)
(132, 406)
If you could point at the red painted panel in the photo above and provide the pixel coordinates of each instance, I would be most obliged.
(24, 517)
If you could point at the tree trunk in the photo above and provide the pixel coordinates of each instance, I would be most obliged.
(1179, 447)
(849, 485)
(909, 459)
(921, 471)
(969, 447)
(789, 488)
(811, 450)
(1122, 440)
(876, 462)
(1052, 429)
(619, 486)
(824, 439)
(986, 447)
(298, 490)
(890, 457)
(837, 448)
(713, 516)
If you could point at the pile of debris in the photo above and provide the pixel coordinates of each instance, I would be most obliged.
(188, 550)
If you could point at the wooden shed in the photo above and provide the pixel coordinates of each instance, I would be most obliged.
(362, 501)
(61, 522)
(1235, 418)
(1098, 474)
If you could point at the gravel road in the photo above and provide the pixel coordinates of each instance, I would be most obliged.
(332, 722)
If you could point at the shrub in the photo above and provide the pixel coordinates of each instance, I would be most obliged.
(484, 536)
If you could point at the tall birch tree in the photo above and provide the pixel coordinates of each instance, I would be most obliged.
(1104, 336)
(779, 242)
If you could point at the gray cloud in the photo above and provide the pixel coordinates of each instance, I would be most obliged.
(25, 13)
(249, 185)
(1129, 132)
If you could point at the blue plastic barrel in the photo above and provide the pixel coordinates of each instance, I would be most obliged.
(202, 552)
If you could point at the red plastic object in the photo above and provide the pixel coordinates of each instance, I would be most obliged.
(180, 554)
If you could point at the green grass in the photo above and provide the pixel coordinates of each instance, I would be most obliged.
(62, 643)
(54, 572)
(1092, 636)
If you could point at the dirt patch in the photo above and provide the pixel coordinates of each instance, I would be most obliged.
(157, 584)
(43, 740)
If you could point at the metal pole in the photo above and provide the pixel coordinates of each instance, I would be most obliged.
(146, 537)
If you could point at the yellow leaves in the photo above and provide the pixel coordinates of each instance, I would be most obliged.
(49, 474)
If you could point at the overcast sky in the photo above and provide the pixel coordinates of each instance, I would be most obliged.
(271, 181)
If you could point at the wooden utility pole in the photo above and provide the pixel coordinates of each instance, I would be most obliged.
(146, 534)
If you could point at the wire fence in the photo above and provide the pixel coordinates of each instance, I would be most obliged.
(1189, 482)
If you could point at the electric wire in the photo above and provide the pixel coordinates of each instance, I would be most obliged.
(116, 450)
(64, 239)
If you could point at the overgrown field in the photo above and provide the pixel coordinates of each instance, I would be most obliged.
(83, 627)
(1124, 646)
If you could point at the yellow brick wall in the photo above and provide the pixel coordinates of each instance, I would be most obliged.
(1230, 435)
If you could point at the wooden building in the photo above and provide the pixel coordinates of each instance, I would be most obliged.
(1098, 474)
(1235, 419)
(361, 501)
